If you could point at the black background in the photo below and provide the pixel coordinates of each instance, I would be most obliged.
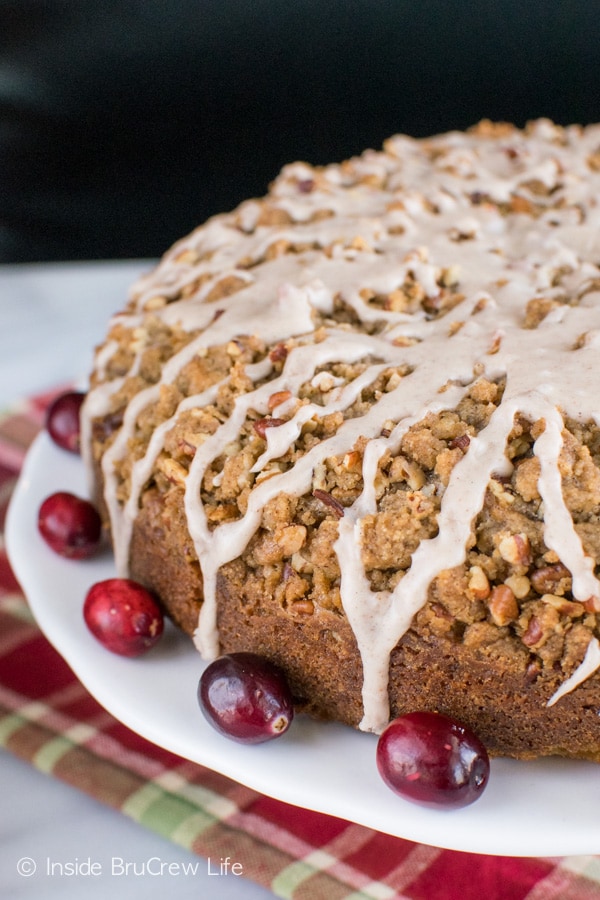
(125, 124)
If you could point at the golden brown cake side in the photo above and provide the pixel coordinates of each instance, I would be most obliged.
(364, 409)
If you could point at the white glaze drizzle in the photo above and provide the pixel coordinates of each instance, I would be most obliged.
(589, 665)
(435, 221)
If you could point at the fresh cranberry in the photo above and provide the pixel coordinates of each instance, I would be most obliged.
(62, 420)
(70, 525)
(433, 760)
(123, 616)
(246, 698)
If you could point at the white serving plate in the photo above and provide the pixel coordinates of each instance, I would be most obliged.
(543, 808)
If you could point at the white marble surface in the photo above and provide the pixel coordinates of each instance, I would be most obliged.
(50, 318)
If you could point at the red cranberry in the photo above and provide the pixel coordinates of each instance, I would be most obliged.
(432, 760)
(62, 420)
(246, 698)
(70, 525)
(123, 616)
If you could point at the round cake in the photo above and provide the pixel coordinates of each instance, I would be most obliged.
(353, 427)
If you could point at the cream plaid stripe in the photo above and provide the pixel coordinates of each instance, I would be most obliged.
(582, 865)
(330, 859)
(287, 883)
(417, 861)
(13, 638)
(560, 884)
(18, 609)
(49, 710)
(327, 858)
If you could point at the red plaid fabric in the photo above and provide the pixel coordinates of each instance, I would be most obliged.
(54, 724)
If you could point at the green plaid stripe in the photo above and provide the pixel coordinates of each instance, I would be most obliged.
(167, 813)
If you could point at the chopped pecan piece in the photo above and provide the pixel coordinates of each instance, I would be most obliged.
(329, 500)
(502, 605)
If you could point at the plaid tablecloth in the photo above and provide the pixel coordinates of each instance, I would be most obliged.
(56, 726)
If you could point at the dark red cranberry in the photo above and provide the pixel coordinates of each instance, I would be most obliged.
(70, 525)
(62, 420)
(246, 698)
(432, 760)
(124, 616)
